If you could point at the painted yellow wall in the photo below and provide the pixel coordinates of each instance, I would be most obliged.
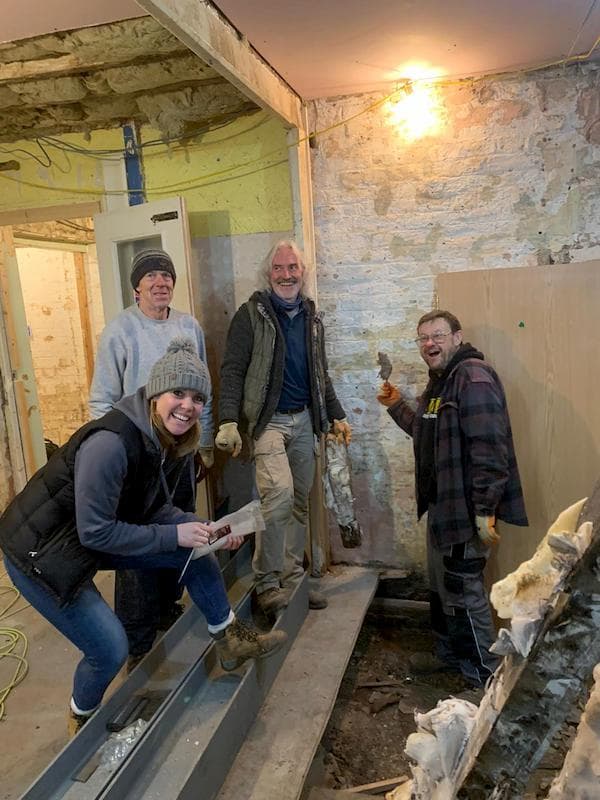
(235, 180)
(70, 178)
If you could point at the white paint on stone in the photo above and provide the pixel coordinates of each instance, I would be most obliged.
(511, 180)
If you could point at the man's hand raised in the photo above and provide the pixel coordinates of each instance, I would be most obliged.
(388, 394)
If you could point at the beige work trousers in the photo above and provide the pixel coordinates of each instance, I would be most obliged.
(285, 465)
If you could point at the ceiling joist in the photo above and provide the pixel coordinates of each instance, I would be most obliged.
(207, 33)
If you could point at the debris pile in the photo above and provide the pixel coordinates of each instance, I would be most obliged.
(554, 610)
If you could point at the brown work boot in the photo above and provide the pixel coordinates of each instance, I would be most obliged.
(272, 601)
(238, 642)
(75, 722)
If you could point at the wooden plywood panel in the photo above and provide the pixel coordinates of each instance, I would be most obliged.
(539, 327)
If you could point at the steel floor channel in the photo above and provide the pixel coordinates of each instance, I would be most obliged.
(146, 690)
(189, 755)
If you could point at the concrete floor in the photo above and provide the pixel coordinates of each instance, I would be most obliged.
(34, 728)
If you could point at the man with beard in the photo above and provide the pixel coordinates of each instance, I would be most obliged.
(275, 386)
(466, 477)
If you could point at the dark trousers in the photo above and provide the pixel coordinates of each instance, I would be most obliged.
(142, 599)
(461, 618)
(145, 598)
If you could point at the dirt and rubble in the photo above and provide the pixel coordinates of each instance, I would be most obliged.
(374, 712)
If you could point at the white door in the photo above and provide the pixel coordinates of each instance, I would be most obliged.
(121, 234)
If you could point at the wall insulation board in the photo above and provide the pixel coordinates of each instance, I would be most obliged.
(538, 327)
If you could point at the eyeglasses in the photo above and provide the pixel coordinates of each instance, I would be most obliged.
(437, 338)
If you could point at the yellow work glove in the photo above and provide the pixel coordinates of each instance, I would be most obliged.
(208, 456)
(228, 438)
(342, 430)
(486, 530)
(388, 394)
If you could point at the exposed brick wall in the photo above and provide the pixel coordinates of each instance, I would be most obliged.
(50, 295)
(511, 180)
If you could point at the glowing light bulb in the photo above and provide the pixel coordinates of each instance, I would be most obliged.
(417, 113)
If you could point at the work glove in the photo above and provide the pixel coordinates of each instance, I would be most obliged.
(208, 456)
(228, 438)
(388, 394)
(486, 530)
(342, 430)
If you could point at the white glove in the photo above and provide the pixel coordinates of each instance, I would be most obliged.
(228, 438)
(486, 530)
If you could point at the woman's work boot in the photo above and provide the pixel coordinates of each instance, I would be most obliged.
(238, 642)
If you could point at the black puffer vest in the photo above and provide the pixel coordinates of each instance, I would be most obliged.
(38, 531)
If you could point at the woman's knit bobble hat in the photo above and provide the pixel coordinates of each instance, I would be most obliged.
(179, 368)
(150, 261)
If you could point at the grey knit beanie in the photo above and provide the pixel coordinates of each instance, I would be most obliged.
(148, 261)
(179, 368)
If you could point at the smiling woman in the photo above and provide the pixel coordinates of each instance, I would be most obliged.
(105, 501)
(179, 409)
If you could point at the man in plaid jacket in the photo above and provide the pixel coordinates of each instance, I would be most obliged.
(466, 477)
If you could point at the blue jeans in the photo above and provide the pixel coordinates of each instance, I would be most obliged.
(89, 623)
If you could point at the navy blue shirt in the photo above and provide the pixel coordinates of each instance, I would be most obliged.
(295, 392)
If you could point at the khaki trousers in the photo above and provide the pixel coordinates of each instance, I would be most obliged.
(284, 455)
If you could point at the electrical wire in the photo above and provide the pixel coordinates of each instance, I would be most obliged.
(581, 27)
(116, 154)
(13, 642)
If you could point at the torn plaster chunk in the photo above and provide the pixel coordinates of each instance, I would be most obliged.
(423, 748)
(523, 631)
(535, 580)
(504, 645)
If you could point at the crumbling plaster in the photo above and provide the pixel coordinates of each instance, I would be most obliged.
(100, 77)
(510, 180)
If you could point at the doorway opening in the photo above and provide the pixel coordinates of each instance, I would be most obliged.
(60, 286)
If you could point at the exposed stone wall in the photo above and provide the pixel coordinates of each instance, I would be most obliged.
(511, 180)
(52, 308)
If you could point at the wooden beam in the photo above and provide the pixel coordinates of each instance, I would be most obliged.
(201, 27)
(9, 357)
(6, 251)
(302, 195)
(304, 233)
(84, 316)
(45, 67)
(23, 412)
(49, 213)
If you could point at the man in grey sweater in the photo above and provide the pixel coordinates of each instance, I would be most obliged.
(128, 348)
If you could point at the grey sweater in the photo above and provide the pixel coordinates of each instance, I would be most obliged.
(129, 347)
